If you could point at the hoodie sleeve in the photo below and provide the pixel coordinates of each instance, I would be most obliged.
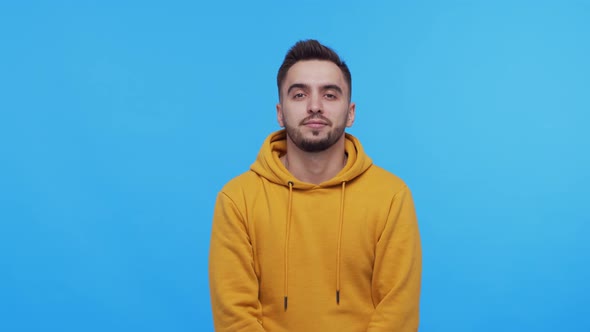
(397, 271)
(232, 278)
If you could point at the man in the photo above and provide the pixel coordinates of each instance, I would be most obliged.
(314, 237)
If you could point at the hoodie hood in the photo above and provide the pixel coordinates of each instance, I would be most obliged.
(269, 165)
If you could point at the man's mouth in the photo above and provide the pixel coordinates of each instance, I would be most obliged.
(313, 123)
(316, 122)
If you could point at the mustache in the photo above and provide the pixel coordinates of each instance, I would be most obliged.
(316, 117)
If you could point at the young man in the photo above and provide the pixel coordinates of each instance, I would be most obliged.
(314, 237)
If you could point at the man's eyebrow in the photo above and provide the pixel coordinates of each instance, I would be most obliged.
(306, 87)
(333, 87)
(297, 86)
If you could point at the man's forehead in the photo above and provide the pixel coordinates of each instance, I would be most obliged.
(315, 72)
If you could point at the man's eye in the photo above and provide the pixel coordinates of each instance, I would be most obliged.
(330, 96)
(298, 95)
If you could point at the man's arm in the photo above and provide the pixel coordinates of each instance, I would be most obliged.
(397, 270)
(232, 277)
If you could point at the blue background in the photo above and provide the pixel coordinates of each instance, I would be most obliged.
(120, 121)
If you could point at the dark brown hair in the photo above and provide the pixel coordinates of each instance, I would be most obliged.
(311, 50)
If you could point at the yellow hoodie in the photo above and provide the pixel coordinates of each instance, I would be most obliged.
(287, 255)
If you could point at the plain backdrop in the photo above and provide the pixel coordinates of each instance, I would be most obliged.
(121, 120)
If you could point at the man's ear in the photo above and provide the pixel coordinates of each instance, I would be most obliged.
(351, 114)
(280, 118)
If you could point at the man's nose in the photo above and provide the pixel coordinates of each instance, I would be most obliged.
(315, 104)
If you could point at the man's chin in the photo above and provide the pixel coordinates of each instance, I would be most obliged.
(315, 144)
(311, 140)
(315, 133)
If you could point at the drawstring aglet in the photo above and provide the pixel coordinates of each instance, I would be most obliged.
(285, 302)
(338, 297)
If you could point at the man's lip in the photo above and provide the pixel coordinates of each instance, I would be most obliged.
(315, 123)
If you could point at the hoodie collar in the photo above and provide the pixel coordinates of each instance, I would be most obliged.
(269, 165)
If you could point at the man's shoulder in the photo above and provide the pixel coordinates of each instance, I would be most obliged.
(241, 183)
(381, 178)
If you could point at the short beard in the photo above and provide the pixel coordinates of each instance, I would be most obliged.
(308, 145)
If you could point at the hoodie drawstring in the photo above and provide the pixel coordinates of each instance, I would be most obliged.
(338, 251)
(338, 258)
(289, 206)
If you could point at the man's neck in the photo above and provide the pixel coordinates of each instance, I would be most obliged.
(315, 167)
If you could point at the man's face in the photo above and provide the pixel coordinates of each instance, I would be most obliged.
(314, 106)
